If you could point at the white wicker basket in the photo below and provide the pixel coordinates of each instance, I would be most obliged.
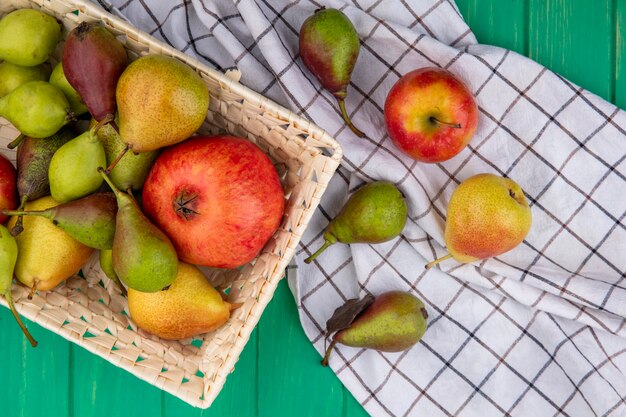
(91, 312)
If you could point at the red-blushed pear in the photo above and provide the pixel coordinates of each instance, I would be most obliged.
(487, 215)
(219, 199)
(430, 114)
(8, 187)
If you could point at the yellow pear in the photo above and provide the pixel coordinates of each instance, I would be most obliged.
(47, 255)
(190, 306)
(487, 216)
(161, 101)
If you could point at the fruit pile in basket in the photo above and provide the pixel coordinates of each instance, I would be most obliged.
(210, 201)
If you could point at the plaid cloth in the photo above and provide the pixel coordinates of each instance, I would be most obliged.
(536, 331)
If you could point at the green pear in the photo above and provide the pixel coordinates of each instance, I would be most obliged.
(329, 47)
(132, 170)
(37, 109)
(28, 37)
(106, 264)
(33, 161)
(12, 76)
(47, 255)
(487, 215)
(143, 256)
(90, 220)
(73, 171)
(375, 213)
(190, 306)
(394, 322)
(8, 259)
(57, 79)
(161, 101)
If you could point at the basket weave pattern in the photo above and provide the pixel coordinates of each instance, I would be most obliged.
(91, 311)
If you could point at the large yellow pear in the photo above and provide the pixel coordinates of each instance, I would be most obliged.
(190, 306)
(47, 255)
(487, 215)
(160, 101)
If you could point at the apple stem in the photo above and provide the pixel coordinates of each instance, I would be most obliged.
(9, 297)
(346, 118)
(317, 252)
(16, 142)
(436, 261)
(328, 352)
(439, 122)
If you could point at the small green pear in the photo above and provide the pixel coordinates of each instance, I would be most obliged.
(8, 259)
(12, 76)
(90, 220)
(143, 256)
(329, 47)
(375, 213)
(28, 37)
(73, 171)
(57, 79)
(37, 109)
(106, 264)
(394, 322)
(130, 171)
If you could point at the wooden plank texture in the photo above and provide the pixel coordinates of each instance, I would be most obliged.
(574, 38)
(497, 22)
(291, 380)
(36, 381)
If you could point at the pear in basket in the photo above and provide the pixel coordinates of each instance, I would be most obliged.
(37, 109)
(12, 76)
(58, 79)
(28, 37)
(161, 101)
(143, 257)
(8, 258)
(33, 161)
(93, 60)
(190, 306)
(131, 170)
(47, 255)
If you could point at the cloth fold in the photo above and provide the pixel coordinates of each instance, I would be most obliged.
(536, 331)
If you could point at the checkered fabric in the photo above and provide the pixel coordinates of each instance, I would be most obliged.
(537, 331)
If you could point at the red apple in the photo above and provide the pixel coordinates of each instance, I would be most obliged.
(430, 114)
(218, 199)
(8, 187)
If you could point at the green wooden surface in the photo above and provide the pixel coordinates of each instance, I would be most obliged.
(278, 373)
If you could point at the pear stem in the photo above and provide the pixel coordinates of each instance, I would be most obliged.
(439, 122)
(109, 118)
(9, 297)
(344, 114)
(328, 352)
(42, 213)
(33, 290)
(319, 251)
(19, 224)
(104, 174)
(436, 261)
(117, 159)
(16, 142)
